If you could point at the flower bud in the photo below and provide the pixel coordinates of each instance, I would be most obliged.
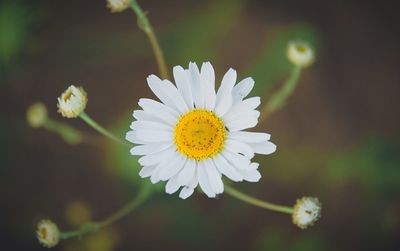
(36, 114)
(72, 102)
(300, 53)
(118, 5)
(306, 211)
(48, 233)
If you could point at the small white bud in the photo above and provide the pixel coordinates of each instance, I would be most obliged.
(300, 53)
(118, 5)
(48, 233)
(36, 114)
(306, 211)
(72, 102)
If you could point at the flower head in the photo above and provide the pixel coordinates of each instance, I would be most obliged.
(48, 233)
(118, 5)
(72, 102)
(300, 53)
(36, 114)
(195, 134)
(306, 211)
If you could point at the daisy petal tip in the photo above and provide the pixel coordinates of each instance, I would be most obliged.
(274, 147)
(232, 71)
(186, 192)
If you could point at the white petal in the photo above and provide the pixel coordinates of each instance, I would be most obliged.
(249, 137)
(163, 161)
(142, 115)
(243, 107)
(183, 84)
(254, 166)
(197, 88)
(227, 169)
(242, 89)
(207, 77)
(237, 160)
(203, 180)
(263, 148)
(156, 158)
(243, 121)
(186, 192)
(154, 136)
(224, 94)
(167, 93)
(187, 173)
(239, 147)
(150, 125)
(131, 136)
(147, 171)
(172, 185)
(154, 178)
(214, 177)
(159, 110)
(175, 96)
(155, 84)
(150, 148)
(252, 175)
(172, 168)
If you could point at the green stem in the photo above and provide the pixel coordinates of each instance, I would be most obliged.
(146, 26)
(68, 133)
(91, 227)
(142, 196)
(100, 129)
(257, 202)
(279, 98)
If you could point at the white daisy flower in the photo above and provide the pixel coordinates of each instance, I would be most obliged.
(48, 233)
(306, 211)
(195, 135)
(72, 102)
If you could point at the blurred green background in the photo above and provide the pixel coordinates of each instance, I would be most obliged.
(337, 137)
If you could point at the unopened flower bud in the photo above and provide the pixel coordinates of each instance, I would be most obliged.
(48, 233)
(118, 5)
(36, 114)
(306, 211)
(300, 53)
(72, 102)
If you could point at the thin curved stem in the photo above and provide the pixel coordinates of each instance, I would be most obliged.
(142, 196)
(279, 98)
(68, 133)
(101, 129)
(146, 26)
(257, 202)
(91, 227)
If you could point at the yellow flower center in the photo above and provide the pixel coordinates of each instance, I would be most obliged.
(43, 233)
(199, 134)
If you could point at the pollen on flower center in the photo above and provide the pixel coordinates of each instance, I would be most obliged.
(43, 233)
(67, 95)
(199, 134)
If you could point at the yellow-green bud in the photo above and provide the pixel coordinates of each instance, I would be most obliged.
(118, 5)
(36, 114)
(300, 53)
